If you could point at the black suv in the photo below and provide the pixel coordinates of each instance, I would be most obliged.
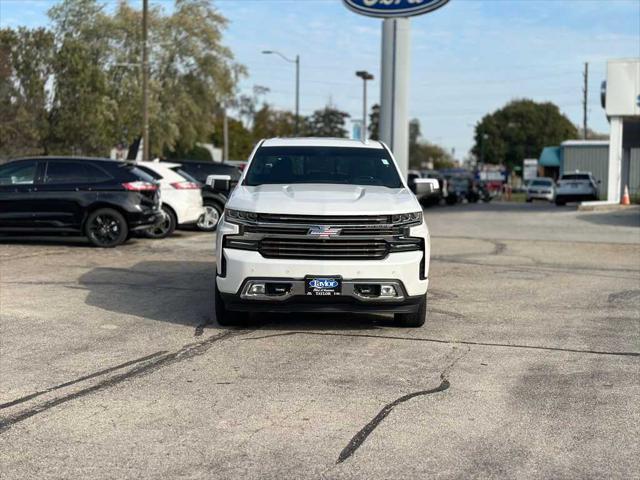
(213, 200)
(104, 200)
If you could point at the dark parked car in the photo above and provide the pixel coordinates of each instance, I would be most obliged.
(104, 200)
(213, 200)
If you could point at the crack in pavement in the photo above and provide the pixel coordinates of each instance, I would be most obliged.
(360, 437)
(80, 379)
(451, 342)
(448, 313)
(624, 296)
(199, 330)
(186, 352)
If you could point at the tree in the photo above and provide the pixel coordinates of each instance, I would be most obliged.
(269, 123)
(91, 60)
(423, 154)
(25, 69)
(241, 140)
(328, 122)
(374, 123)
(426, 154)
(519, 130)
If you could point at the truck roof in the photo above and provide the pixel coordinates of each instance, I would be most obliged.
(320, 142)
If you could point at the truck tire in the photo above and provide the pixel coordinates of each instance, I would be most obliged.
(414, 319)
(224, 317)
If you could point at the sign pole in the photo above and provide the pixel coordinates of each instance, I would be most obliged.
(394, 94)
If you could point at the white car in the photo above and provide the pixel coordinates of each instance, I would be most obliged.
(322, 225)
(181, 197)
(542, 188)
(576, 187)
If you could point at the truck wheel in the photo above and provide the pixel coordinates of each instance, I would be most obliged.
(209, 221)
(415, 319)
(224, 317)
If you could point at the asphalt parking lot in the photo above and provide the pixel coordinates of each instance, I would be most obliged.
(112, 367)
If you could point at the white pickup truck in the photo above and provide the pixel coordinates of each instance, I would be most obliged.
(322, 225)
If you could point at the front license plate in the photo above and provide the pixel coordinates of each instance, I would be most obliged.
(322, 286)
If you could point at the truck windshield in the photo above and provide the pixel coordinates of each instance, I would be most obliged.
(339, 165)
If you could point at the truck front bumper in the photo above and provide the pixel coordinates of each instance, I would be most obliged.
(297, 301)
(241, 265)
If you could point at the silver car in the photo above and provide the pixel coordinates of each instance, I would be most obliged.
(542, 188)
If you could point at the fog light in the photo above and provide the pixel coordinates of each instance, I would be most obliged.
(387, 291)
(257, 289)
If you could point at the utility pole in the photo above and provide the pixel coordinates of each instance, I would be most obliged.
(297, 62)
(298, 95)
(364, 75)
(225, 134)
(145, 81)
(585, 98)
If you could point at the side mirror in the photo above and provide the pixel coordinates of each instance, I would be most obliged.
(425, 186)
(219, 183)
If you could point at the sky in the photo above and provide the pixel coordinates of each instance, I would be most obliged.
(467, 59)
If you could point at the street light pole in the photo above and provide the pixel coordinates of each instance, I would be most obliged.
(364, 75)
(297, 62)
(145, 81)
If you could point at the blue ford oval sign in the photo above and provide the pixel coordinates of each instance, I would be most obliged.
(393, 8)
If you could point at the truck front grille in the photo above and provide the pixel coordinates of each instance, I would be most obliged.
(361, 230)
(334, 220)
(342, 249)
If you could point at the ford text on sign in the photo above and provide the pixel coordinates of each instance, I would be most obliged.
(393, 8)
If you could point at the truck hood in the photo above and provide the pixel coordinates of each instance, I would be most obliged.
(323, 199)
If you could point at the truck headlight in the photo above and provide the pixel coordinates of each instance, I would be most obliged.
(239, 216)
(414, 218)
(240, 243)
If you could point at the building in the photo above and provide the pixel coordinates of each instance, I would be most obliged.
(616, 162)
(621, 101)
(591, 156)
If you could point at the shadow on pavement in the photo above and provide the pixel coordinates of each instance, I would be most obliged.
(175, 292)
(62, 240)
(629, 218)
(182, 293)
(321, 322)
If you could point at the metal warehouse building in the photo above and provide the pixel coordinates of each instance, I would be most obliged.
(591, 156)
(587, 156)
